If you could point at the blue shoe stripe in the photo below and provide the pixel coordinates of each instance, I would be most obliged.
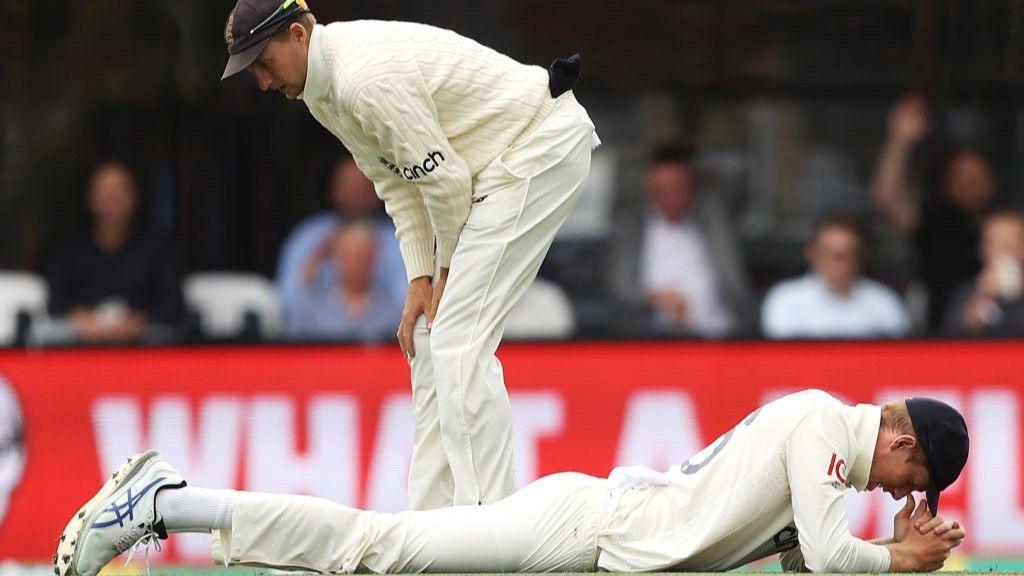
(118, 509)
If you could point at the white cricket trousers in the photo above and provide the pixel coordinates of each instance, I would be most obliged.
(549, 526)
(462, 452)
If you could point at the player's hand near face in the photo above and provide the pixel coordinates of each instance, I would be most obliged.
(951, 530)
(920, 553)
(925, 547)
(903, 520)
(417, 302)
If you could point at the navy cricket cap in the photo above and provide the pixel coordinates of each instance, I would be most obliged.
(942, 433)
(251, 24)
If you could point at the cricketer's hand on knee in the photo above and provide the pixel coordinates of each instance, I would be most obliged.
(422, 298)
(439, 285)
(417, 301)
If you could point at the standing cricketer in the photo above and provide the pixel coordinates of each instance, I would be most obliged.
(479, 160)
(774, 484)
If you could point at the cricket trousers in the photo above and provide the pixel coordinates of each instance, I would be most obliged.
(551, 525)
(462, 452)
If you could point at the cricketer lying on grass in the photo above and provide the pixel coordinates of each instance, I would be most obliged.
(774, 484)
(478, 160)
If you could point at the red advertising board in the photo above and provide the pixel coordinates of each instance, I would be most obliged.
(336, 421)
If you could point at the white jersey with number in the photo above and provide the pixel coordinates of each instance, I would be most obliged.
(773, 484)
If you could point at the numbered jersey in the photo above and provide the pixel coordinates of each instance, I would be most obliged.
(772, 484)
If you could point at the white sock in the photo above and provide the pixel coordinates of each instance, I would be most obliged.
(194, 509)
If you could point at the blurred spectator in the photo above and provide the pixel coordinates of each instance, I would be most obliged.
(355, 306)
(306, 256)
(115, 283)
(833, 300)
(680, 260)
(944, 223)
(992, 304)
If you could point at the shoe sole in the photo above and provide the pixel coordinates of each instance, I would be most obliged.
(66, 558)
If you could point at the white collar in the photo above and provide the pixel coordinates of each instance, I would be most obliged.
(819, 284)
(318, 81)
(867, 419)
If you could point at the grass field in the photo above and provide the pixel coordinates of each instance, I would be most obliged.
(38, 570)
(240, 572)
(1009, 566)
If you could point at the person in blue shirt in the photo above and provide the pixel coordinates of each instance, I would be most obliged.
(305, 256)
(355, 305)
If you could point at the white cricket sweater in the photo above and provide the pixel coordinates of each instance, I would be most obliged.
(774, 484)
(422, 110)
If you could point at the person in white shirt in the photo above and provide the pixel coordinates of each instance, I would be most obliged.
(774, 484)
(834, 299)
(676, 269)
(478, 160)
(677, 263)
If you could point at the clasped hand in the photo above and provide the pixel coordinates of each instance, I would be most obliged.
(925, 541)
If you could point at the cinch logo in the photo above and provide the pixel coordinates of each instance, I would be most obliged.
(838, 467)
(412, 171)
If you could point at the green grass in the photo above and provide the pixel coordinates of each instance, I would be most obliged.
(1001, 566)
(248, 572)
(975, 566)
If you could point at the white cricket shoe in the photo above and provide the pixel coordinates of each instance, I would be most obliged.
(120, 515)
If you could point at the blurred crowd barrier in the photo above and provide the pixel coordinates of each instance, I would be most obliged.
(676, 263)
(336, 421)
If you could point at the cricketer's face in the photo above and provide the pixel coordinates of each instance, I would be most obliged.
(282, 64)
(895, 470)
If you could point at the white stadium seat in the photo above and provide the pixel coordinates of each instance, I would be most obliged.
(544, 312)
(223, 299)
(20, 292)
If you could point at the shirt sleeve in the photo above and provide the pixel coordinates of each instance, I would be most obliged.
(413, 229)
(400, 116)
(816, 456)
